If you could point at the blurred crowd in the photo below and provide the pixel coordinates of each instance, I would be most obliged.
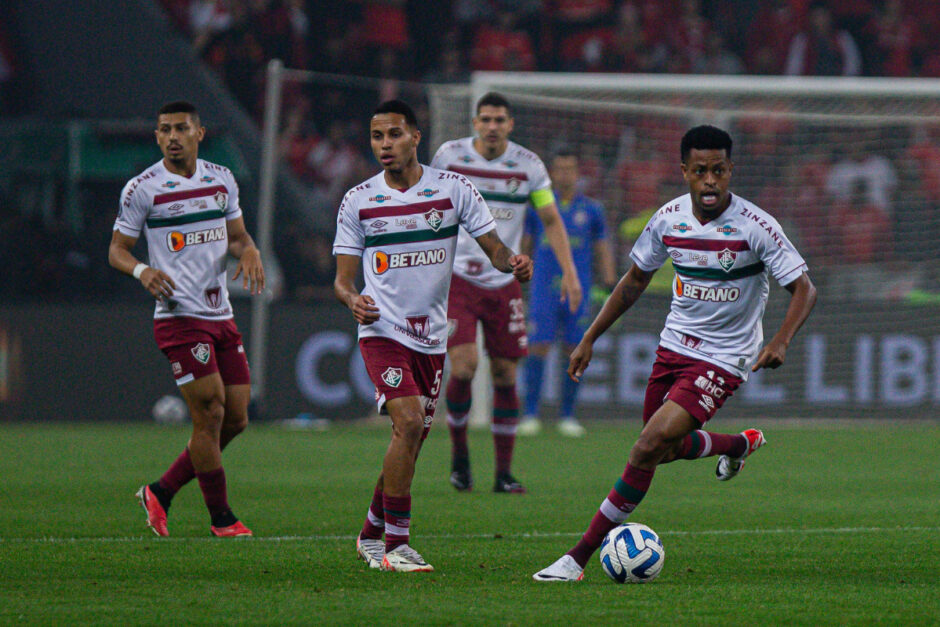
(404, 44)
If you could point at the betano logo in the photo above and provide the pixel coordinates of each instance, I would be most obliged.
(707, 294)
(177, 241)
(382, 262)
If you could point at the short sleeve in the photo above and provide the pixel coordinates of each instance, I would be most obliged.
(472, 211)
(233, 208)
(778, 254)
(440, 161)
(649, 252)
(132, 210)
(350, 238)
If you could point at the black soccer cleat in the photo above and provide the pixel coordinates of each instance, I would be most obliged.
(505, 482)
(460, 476)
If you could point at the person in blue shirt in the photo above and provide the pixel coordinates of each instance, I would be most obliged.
(549, 316)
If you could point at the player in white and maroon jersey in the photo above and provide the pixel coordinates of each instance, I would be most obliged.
(402, 225)
(510, 178)
(188, 209)
(724, 249)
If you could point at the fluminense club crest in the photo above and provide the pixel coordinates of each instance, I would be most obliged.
(392, 377)
(434, 218)
(726, 259)
(513, 185)
(201, 352)
(221, 199)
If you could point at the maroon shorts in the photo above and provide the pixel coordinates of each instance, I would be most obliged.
(501, 311)
(699, 387)
(399, 371)
(197, 348)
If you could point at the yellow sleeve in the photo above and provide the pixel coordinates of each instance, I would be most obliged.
(542, 197)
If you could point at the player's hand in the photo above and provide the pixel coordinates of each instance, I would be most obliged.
(571, 291)
(364, 309)
(251, 271)
(521, 267)
(157, 282)
(580, 358)
(771, 356)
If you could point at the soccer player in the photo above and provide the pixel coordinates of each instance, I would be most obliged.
(724, 248)
(509, 177)
(548, 317)
(189, 211)
(404, 222)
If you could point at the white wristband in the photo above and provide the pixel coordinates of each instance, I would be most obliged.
(139, 269)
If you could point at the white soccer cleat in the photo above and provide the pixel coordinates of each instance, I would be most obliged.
(564, 569)
(404, 559)
(371, 551)
(571, 428)
(729, 467)
(529, 426)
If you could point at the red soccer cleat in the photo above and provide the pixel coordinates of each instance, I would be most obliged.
(232, 531)
(156, 515)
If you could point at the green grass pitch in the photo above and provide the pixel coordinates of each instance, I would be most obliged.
(833, 523)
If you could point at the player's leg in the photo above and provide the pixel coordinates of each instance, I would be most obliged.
(462, 354)
(574, 325)
(534, 378)
(667, 427)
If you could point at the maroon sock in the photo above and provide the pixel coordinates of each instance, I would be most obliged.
(374, 526)
(620, 502)
(505, 418)
(397, 520)
(705, 444)
(180, 472)
(212, 484)
(458, 399)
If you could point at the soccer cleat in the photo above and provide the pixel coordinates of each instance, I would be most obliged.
(460, 476)
(529, 426)
(564, 569)
(404, 559)
(235, 530)
(505, 482)
(729, 467)
(371, 551)
(156, 515)
(571, 428)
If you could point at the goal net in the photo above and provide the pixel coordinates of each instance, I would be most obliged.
(849, 167)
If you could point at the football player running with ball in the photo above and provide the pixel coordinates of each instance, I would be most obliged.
(724, 249)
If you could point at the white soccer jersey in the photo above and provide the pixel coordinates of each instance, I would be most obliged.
(184, 220)
(407, 240)
(506, 184)
(720, 287)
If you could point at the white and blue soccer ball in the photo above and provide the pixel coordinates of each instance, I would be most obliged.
(632, 553)
(170, 410)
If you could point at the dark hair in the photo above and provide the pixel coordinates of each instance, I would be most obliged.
(705, 137)
(401, 107)
(492, 99)
(180, 106)
(563, 151)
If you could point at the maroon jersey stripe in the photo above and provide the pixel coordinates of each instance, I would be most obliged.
(706, 244)
(442, 204)
(159, 199)
(487, 174)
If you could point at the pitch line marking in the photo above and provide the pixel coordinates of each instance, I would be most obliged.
(475, 536)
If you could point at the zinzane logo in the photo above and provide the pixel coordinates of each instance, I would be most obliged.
(382, 261)
(201, 352)
(392, 377)
(176, 241)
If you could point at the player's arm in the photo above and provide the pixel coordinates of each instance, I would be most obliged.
(802, 299)
(557, 237)
(628, 290)
(604, 253)
(502, 257)
(157, 282)
(242, 247)
(344, 286)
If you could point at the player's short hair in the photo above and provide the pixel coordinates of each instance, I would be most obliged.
(563, 151)
(705, 137)
(492, 99)
(402, 108)
(180, 106)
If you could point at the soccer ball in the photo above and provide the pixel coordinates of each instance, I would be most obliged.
(170, 410)
(632, 553)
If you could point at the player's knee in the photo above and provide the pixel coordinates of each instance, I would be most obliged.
(463, 369)
(409, 426)
(235, 425)
(209, 412)
(650, 447)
